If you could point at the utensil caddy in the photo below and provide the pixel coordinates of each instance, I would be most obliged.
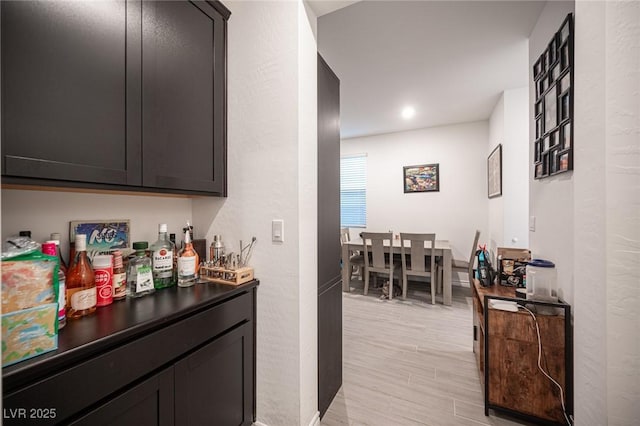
(220, 275)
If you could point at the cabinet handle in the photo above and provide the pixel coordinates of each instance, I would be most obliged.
(475, 333)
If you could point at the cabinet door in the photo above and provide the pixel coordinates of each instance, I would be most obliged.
(184, 97)
(214, 385)
(71, 91)
(329, 251)
(149, 403)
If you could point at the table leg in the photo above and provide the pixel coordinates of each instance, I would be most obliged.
(346, 269)
(446, 281)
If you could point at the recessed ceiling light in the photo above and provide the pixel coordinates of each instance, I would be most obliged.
(408, 112)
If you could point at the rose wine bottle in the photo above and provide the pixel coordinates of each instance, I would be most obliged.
(81, 283)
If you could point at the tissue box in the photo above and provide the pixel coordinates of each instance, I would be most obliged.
(29, 332)
(29, 280)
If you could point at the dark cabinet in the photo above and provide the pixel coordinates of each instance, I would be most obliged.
(329, 250)
(183, 96)
(181, 356)
(210, 383)
(115, 95)
(70, 84)
(149, 403)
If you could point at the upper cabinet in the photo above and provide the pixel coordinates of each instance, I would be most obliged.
(115, 95)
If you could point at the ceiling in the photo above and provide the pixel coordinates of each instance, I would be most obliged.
(450, 60)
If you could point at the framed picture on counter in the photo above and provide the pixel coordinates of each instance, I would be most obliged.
(422, 178)
(102, 235)
(494, 172)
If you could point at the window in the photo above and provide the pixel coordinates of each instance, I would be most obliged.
(353, 191)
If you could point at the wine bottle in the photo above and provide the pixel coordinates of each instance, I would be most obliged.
(50, 248)
(187, 262)
(119, 277)
(81, 284)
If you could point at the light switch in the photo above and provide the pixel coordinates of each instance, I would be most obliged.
(277, 230)
(532, 223)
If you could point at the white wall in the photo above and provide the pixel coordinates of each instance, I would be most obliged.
(515, 161)
(495, 236)
(607, 213)
(551, 199)
(44, 212)
(272, 171)
(589, 219)
(509, 126)
(453, 213)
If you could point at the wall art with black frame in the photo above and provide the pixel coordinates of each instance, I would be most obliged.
(553, 108)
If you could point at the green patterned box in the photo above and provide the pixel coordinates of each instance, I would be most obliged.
(29, 332)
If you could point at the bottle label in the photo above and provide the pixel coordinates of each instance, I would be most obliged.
(119, 285)
(61, 298)
(162, 263)
(144, 279)
(104, 286)
(186, 266)
(83, 299)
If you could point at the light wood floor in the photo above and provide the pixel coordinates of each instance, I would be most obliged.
(408, 362)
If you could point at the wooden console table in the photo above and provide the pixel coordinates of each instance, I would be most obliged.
(506, 348)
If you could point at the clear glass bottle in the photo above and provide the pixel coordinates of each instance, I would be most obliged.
(187, 262)
(50, 248)
(162, 259)
(119, 277)
(80, 282)
(55, 237)
(139, 272)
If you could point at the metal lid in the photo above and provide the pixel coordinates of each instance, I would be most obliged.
(162, 227)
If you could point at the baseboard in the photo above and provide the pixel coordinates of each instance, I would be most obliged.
(315, 421)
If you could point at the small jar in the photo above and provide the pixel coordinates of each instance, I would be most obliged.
(103, 271)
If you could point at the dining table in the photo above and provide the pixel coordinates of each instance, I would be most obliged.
(442, 250)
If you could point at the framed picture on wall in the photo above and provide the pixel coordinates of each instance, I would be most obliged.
(422, 178)
(494, 172)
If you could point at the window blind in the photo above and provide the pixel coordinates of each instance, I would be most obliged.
(353, 191)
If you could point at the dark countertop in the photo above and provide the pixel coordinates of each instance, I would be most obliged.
(119, 323)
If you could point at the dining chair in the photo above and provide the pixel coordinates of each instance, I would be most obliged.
(356, 259)
(375, 259)
(464, 266)
(418, 260)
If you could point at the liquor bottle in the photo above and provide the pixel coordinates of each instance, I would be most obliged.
(187, 262)
(139, 273)
(81, 284)
(162, 259)
(119, 277)
(55, 237)
(50, 248)
(172, 238)
(62, 316)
